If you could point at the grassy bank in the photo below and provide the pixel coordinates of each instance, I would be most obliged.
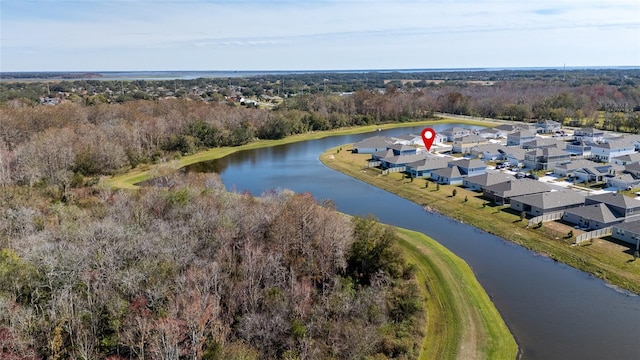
(462, 322)
(607, 260)
(145, 172)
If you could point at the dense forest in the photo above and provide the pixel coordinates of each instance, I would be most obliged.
(193, 271)
(184, 269)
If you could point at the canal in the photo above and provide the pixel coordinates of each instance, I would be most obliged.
(553, 310)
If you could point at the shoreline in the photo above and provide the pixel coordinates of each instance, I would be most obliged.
(603, 259)
(144, 172)
(461, 320)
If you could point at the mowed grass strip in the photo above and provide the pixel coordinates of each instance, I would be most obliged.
(609, 261)
(462, 322)
(146, 172)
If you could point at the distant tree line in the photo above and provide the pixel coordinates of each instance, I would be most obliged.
(62, 144)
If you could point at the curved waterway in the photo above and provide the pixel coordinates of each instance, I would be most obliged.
(553, 310)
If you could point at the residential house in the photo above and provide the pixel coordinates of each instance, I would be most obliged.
(409, 139)
(588, 134)
(490, 133)
(598, 173)
(628, 232)
(520, 137)
(545, 158)
(464, 144)
(449, 175)
(622, 205)
(547, 202)
(579, 149)
(567, 169)
(423, 168)
(515, 156)
(623, 182)
(400, 149)
(502, 193)
(509, 128)
(469, 167)
(606, 151)
(626, 159)
(592, 216)
(395, 161)
(543, 142)
(479, 182)
(548, 126)
(488, 151)
(372, 145)
(455, 132)
(633, 169)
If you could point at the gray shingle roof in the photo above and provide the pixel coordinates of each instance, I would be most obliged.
(597, 212)
(468, 163)
(518, 187)
(551, 200)
(635, 157)
(429, 164)
(632, 226)
(617, 200)
(489, 178)
(450, 172)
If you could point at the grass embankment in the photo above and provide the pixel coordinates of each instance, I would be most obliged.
(145, 172)
(462, 322)
(604, 259)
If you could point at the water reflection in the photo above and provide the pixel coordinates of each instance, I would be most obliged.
(555, 311)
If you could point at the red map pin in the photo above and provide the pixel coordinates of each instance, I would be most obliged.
(428, 136)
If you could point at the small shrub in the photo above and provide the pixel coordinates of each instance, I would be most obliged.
(454, 192)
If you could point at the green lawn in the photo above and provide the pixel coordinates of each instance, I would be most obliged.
(606, 260)
(462, 322)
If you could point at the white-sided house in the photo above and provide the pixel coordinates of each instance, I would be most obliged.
(515, 156)
(626, 159)
(479, 182)
(489, 151)
(409, 139)
(547, 202)
(579, 149)
(606, 151)
(548, 126)
(598, 173)
(568, 169)
(588, 134)
(372, 145)
(455, 132)
(490, 133)
(520, 137)
(464, 144)
(623, 182)
(628, 232)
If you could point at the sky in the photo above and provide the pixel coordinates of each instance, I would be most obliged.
(138, 35)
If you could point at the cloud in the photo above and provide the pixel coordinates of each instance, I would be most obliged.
(186, 29)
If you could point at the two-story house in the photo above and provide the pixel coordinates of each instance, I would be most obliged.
(545, 158)
(520, 137)
(604, 152)
(588, 134)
